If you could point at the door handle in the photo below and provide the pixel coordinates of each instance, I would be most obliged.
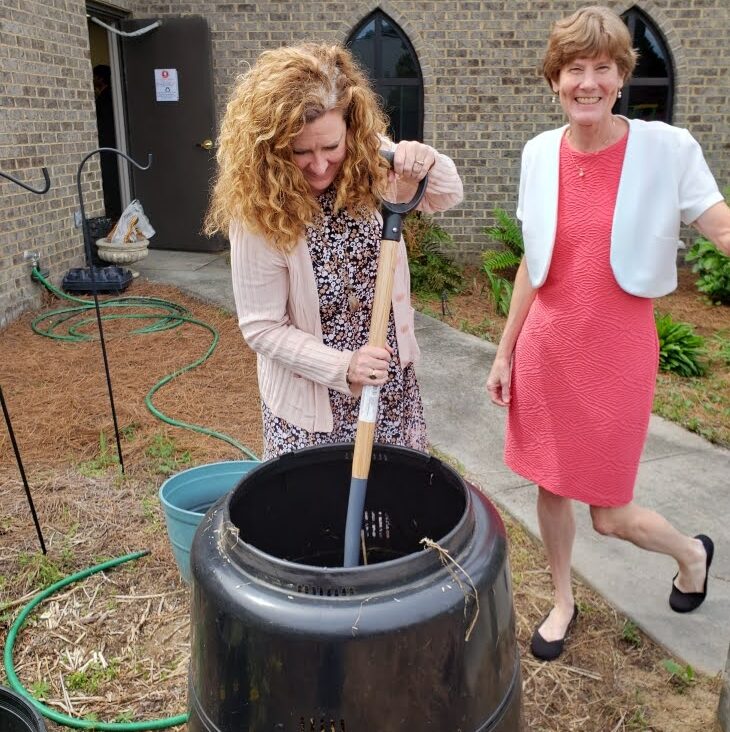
(206, 144)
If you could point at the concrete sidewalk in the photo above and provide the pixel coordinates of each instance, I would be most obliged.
(681, 475)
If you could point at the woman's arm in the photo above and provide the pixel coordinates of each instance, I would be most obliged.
(261, 291)
(444, 190)
(523, 294)
(714, 224)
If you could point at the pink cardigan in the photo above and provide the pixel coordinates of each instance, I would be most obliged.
(278, 313)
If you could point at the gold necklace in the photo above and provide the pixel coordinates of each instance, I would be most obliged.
(579, 168)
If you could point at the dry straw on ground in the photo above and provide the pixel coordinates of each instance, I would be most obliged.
(116, 645)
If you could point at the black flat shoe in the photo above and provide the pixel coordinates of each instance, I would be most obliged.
(550, 650)
(686, 602)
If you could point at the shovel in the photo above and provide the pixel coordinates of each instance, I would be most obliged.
(392, 214)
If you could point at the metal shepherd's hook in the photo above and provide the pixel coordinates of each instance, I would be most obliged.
(87, 236)
(41, 191)
(23, 477)
(6, 413)
(87, 247)
(392, 214)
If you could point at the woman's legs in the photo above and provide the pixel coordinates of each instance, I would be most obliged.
(557, 528)
(648, 530)
(642, 527)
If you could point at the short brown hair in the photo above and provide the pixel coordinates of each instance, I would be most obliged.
(587, 33)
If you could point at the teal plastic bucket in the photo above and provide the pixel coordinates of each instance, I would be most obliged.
(186, 497)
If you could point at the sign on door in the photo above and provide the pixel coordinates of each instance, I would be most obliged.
(166, 86)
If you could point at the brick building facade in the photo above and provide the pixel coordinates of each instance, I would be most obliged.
(483, 97)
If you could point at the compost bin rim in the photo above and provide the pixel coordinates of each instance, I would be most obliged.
(254, 562)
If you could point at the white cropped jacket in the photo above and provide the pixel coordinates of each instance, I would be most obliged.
(664, 181)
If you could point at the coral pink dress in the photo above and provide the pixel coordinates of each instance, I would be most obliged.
(586, 359)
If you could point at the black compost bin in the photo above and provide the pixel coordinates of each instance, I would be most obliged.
(17, 714)
(285, 638)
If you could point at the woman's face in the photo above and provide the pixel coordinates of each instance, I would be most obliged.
(319, 149)
(588, 88)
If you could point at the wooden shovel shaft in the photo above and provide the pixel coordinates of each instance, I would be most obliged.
(378, 334)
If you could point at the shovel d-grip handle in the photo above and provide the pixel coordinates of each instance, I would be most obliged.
(392, 214)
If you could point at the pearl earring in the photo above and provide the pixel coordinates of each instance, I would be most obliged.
(620, 94)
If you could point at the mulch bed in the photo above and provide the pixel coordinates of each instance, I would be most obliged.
(115, 646)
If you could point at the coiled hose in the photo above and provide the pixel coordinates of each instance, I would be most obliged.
(165, 315)
(52, 714)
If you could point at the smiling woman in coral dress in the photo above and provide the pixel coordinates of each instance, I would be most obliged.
(601, 201)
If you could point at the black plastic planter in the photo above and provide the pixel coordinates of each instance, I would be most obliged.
(285, 638)
(17, 715)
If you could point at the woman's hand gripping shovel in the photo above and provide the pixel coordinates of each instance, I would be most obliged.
(392, 214)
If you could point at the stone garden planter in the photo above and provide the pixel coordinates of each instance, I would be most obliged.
(122, 254)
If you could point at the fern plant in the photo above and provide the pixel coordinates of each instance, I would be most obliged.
(508, 233)
(681, 350)
(714, 269)
(432, 271)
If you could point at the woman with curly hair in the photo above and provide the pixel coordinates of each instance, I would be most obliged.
(299, 182)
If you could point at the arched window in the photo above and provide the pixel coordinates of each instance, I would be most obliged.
(649, 94)
(386, 53)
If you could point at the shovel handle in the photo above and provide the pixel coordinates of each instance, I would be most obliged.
(378, 335)
(393, 214)
(364, 437)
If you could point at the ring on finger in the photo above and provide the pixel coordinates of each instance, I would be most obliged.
(372, 375)
(419, 163)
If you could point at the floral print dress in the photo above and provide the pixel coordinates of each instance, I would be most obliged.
(344, 251)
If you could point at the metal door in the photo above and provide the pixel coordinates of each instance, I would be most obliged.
(171, 114)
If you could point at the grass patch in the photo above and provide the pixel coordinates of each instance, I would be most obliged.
(93, 677)
(166, 457)
(103, 460)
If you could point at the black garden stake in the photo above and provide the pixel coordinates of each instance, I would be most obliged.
(6, 414)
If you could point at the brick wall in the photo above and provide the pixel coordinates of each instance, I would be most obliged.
(47, 119)
(484, 96)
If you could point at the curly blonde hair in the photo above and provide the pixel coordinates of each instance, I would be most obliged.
(258, 182)
(588, 33)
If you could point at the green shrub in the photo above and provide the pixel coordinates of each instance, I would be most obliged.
(508, 233)
(680, 349)
(432, 271)
(714, 269)
(500, 290)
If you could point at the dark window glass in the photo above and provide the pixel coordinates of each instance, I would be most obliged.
(398, 61)
(401, 105)
(653, 60)
(649, 93)
(363, 45)
(387, 55)
(649, 103)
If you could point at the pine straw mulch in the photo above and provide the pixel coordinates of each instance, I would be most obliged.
(115, 646)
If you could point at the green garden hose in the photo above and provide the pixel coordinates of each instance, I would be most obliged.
(168, 315)
(49, 713)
